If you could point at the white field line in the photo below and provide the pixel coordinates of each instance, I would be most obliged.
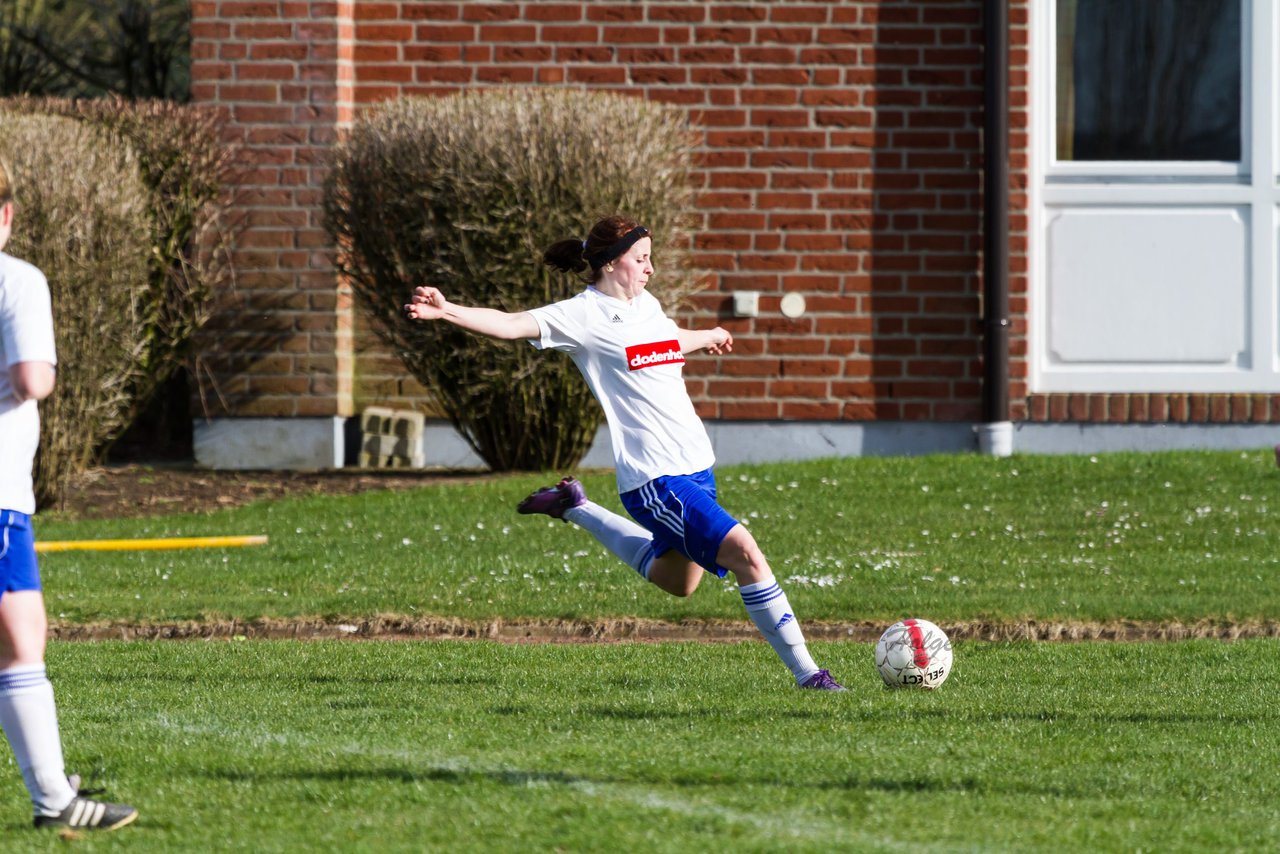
(789, 826)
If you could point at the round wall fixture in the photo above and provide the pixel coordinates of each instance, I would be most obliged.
(792, 305)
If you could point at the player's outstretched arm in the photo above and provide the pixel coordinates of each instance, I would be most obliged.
(428, 303)
(716, 341)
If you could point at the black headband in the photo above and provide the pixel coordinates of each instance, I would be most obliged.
(625, 242)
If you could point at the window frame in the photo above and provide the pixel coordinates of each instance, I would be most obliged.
(1144, 170)
(1252, 185)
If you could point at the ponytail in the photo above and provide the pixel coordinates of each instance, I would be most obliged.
(565, 256)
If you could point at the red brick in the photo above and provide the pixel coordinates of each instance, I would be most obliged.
(661, 76)
(584, 54)
(795, 14)
(682, 12)
(247, 9)
(440, 33)
(432, 53)
(573, 34)
(387, 73)
(811, 411)
(646, 55)
(631, 34)
(633, 12)
(725, 76)
(508, 33)
(553, 11)
(598, 75)
(505, 74)
(370, 10)
(810, 389)
(524, 53)
(740, 13)
(755, 411)
(490, 11)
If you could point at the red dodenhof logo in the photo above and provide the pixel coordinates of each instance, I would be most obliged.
(643, 356)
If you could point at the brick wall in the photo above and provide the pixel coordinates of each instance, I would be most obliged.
(840, 160)
(279, 344)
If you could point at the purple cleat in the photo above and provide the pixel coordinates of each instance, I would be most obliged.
(553, 501)
(822, 681)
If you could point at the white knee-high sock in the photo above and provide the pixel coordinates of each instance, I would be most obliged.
(630, 542)
(769, 609)
(30, 722)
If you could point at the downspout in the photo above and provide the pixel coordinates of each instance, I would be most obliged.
(995, 435)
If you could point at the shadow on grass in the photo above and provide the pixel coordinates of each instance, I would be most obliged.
(504, 776)
(964, 785)
(1077, 717)
(648, 713)
(522, 778)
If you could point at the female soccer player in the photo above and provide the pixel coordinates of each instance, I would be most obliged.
(27, 710)
(632, 356)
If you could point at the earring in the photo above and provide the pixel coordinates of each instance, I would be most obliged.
(608, 268)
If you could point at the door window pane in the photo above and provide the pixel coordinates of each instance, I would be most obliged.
(1148, 80)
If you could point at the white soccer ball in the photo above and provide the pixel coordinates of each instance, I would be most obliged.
(913, 654)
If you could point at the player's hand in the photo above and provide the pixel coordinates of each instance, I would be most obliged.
(426, 304)
(721, 342)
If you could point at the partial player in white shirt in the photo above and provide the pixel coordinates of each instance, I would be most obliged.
(632, 357)
(27, 710)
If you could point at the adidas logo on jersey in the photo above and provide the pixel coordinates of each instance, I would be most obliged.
(658, 353)
(615, 319)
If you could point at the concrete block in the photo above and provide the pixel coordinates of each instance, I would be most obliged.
(376, 420)
(408, 424)
(391, 438)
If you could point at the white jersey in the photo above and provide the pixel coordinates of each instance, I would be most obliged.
(26, 335)
(629, 354)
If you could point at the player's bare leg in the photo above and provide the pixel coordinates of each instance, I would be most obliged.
(30, 721)
(676, 574)
(769, 609)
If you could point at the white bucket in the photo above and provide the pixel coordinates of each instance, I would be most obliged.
(996, 438)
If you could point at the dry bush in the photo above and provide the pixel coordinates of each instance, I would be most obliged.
(465, 193)
(81, 217)
(186, 168)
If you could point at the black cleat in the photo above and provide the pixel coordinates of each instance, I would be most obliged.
(86, 814)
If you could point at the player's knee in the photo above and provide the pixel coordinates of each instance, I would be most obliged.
(685, 586)
(675, 575)
(740, 554)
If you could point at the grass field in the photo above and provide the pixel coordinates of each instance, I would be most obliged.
(266, 746)
(1162, 537)
(278, 746)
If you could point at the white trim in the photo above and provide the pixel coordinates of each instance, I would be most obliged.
(739, 442)
(305, 444)
(748, 442)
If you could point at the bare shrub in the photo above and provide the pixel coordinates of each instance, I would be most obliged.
(186, 169)
(82, 219)
(465, 193)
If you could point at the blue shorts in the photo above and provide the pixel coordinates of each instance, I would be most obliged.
(18, 569)
(682, 513)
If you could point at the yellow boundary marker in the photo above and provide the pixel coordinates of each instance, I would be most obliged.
(150, 545)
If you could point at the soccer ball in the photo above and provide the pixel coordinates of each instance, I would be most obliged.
(913, 654)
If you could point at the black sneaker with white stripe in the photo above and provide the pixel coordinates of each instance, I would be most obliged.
(88, 814)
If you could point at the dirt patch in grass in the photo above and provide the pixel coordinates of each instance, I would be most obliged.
(130, 491)
(635, 630)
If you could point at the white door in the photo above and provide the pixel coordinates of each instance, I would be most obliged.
(1154, 209)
